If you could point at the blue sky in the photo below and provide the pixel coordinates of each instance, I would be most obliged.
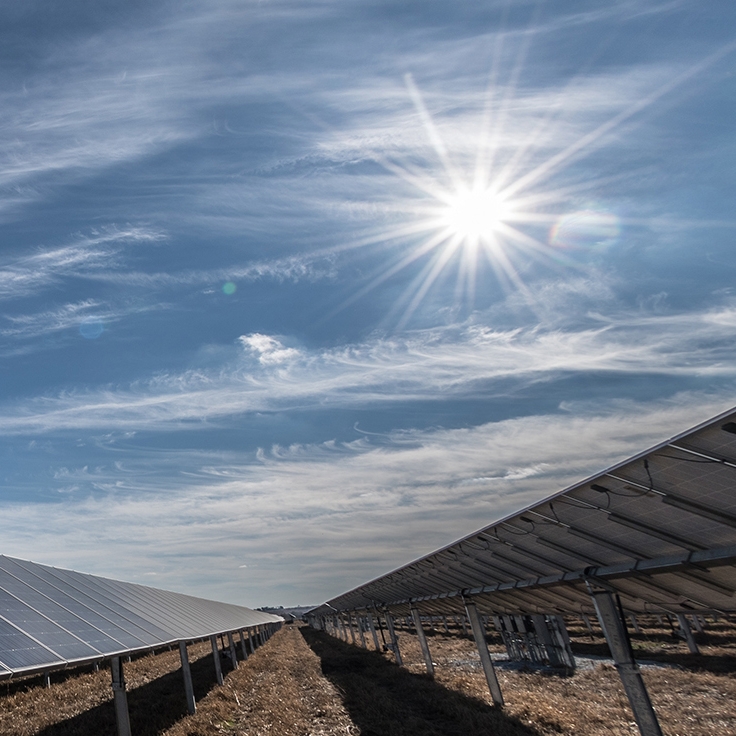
(293, 292)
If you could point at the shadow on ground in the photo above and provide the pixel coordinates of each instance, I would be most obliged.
(386, 700)
(153, 707)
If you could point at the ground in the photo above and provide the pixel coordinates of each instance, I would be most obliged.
(307, 683)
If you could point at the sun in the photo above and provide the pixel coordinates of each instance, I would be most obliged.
(474, 214)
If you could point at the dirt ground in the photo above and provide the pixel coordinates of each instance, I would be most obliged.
(307, 683)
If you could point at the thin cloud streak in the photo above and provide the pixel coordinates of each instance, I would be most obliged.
(87, 254)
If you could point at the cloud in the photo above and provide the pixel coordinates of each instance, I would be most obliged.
(49, 321)
(308, 267)
(455, 362)
(85, 255)
(269, 350)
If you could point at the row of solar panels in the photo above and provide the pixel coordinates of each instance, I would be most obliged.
(660, 527)
(51, 618)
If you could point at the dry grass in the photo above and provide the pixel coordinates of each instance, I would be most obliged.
(80, 702)
(306, 683)
(698, 702)
(385, 700)
(279, 691)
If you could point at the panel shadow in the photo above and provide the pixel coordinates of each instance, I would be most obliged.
(386, 700)
(153, 707)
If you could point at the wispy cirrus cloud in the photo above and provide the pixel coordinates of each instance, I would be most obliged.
(317, 266)
(49, 321)
(435, 364)
(85, 255)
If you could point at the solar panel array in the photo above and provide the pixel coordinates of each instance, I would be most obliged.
(52, 618)
(660, 528)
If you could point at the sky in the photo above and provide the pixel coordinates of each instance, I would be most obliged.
(293, 292)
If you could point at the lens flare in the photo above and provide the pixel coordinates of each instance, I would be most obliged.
(585, 230)
(229, 288)
(91, 328)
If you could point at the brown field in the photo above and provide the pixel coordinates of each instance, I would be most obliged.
(307, 683)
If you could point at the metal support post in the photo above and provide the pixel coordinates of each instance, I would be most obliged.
(614, 629)
(687, 633)
(698, 623)
(559, 631)
(242, 645)
(444, 622)
(479, 635)
(233, 654)
(635, 623)
(120, 696)
(47, 680)
(251, 641)
(187, 674)
(394, 639)
(216, 657)
(350, 626)
(587, 623)
(361, 631)
(543, 633)
(373, 632)
(423, 642)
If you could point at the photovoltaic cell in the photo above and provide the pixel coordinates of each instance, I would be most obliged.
(18, 651)
(95, 592)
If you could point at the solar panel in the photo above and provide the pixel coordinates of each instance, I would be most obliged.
(655, 533)
(50, 618)
(660, 527)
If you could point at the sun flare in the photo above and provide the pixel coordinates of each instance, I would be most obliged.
(474, 214)
(491, 201)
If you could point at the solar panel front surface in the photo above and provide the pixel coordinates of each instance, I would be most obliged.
(104, 617)
(50, 617)
(78, 584)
